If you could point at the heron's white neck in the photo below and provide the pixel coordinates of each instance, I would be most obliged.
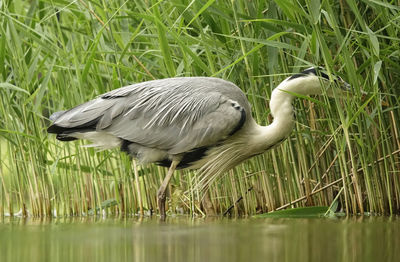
(282, 110)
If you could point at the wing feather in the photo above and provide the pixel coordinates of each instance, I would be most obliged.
(175, 115)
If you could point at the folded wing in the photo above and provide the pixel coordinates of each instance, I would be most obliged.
(175, 115)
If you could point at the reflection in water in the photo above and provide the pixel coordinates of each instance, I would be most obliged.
(184, 239)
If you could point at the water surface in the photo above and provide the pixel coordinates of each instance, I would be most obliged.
(186, 239)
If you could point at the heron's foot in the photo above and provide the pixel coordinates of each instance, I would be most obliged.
(161, 194)
(208, 205)
(161, 197)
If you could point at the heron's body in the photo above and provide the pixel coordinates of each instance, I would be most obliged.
(190, 122)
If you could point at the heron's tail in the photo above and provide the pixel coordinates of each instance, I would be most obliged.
(64, 133)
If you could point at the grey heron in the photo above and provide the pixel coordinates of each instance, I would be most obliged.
(200, 123)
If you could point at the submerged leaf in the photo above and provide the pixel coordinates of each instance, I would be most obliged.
(300, 212)
(105, 204)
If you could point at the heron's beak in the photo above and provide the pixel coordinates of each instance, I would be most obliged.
(347, 89)
(364, 96)
(345, 86)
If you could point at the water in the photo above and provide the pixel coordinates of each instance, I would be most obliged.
(185, 239)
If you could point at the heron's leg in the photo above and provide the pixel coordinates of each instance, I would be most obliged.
(207, 204)
(161, 194)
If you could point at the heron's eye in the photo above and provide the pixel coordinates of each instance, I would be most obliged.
(323, 75)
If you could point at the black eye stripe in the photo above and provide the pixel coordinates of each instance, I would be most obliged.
(324, 75)
(319, 72)
(314, 71)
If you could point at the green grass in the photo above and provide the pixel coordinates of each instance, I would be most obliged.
(55, 54)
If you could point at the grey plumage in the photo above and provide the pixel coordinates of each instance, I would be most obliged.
(159, 118)
(203, 123)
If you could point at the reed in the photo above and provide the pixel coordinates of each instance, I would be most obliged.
(57, 54)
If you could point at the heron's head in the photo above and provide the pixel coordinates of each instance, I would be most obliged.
(316, 81)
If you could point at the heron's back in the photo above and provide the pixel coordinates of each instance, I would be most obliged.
(157, 119)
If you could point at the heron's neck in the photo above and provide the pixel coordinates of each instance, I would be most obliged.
(283, 122)
(281, 109)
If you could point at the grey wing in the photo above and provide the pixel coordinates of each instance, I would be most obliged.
(175, 115)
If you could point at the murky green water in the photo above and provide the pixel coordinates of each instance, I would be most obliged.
(184, 239)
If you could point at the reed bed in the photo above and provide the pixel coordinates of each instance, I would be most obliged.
(57, 54)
